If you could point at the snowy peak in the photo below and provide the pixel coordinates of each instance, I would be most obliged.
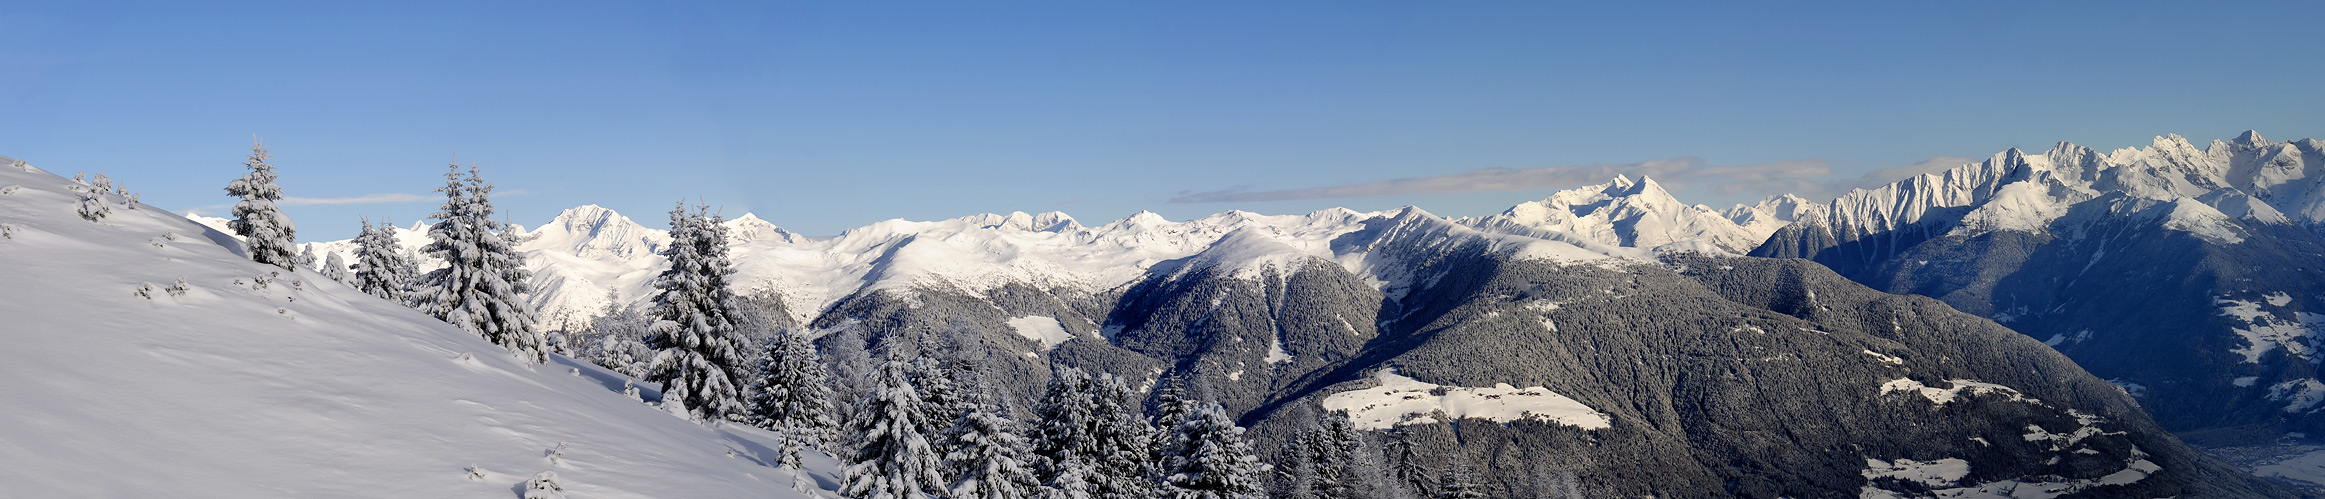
(2251, 138)
(592, 230)
(1623, 212)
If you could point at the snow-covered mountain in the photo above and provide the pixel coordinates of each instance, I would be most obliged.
(1641, 214)
(147, 357)
(2191, 276)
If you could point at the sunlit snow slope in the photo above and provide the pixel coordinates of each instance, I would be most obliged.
(245, 383)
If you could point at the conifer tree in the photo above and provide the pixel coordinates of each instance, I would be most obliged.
(482, 286)
(702, 357)
(336, 269)
(851, 367)
(1126, 467)
(265, 230)
(1459, 482)
(988, 455)
(794, 397)
(382, 268)
(1217, 462)
(307, 257)
(1172, 405)
(1327, 448)
(1066, 441)
(1409, 471)
(892, 459)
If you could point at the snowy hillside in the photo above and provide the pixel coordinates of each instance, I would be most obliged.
(147, 358)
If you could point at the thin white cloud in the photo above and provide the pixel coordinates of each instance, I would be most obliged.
(1807, 178)
(1677, 173)
(395, 197)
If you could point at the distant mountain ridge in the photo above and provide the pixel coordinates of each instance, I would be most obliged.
(2193, 277)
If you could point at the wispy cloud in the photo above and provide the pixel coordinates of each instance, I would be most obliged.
(395, 197)
(1808, 178)
(1677, 173)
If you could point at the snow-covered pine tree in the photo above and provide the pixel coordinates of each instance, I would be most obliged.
(988, 455)
(1407, 470)
(379, 264)
(1217, 462)
(482, 287)
(938, 378)
(1172, 405)
(852, 367)
(1459, 482)
(265, 230)
(702, 353)
(1126, 466)
(893, 459)
(307, 257)
(793, 395)
(1066, 439)
(93, 206)
(336, 269)
(1329, 446)
(615, 338)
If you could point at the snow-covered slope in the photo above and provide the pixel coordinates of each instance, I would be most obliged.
(146, 358)
(1638, 214)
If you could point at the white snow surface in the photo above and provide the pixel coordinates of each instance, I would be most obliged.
(301, 387)
(1400, 400)
(1942, 396)
(1041, 329)
(2264, 331)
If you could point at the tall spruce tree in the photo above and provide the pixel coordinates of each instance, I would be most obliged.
(1173, 404)
(702, 361)
(380, 264)
(1328, 447)
(1409, 471)
(988, 455)
(265, 230)
(1126, 466)
(1216, 462)
(893, 459)
(1067, 441)
(483, 284)
(793, 395)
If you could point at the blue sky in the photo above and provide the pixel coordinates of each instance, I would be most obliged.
(825, 116)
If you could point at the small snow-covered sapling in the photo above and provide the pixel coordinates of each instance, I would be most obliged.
(7, 231)
(178, 288)
(10, 190)
(475, 474)
(544, 486)
(93, 207)
(145, 290)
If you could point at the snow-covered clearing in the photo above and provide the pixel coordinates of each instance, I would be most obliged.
(249, 381)
(1400, 400)
(1041, 329)
(1941, 396)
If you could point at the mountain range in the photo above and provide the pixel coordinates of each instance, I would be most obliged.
(2170, 271)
